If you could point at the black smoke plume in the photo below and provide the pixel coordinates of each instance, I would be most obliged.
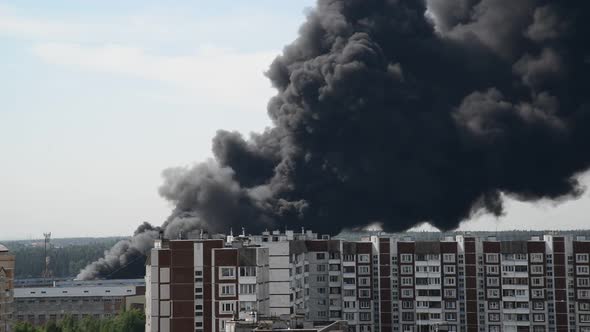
(404, 111)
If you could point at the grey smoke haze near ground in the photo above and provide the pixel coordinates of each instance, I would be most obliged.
(398, 112)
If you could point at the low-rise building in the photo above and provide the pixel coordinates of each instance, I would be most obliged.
(78, 299)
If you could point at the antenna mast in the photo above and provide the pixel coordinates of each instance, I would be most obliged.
(47, 272)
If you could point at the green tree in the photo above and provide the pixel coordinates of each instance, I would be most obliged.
(25, 327)
(130, 321)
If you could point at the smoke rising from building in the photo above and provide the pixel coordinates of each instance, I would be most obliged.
(398, 112)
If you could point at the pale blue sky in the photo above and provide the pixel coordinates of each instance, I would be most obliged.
(98, 97)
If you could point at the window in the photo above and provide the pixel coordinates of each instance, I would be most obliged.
(226, 272)
(407, 316)
(348, 258)
(348, 269)
(365, 304)
(493, 305)
(349, 304)
(584, 294)
(364, 269)
(321, 268)
(364, 316)
(364, 281)
(493, 281)
(335, 279)
(538, 317)
(537, 293)
(406, 269)
(407, 281)
(584, 318)
(320, 256)
(222, 323)
(450, 281)
(407, 304)
(349, 292)
(492, 258)
(364, 293)
(450, 305)
(349, 316)
(227, 290)
(364, 258)
(492, 317)
(226, 307)
(581, 269)
(406, 258)
(536, 269)
(583, 282)
(248, 289)
(494, 328)
(493, 293)
(537, 258)
(349, 281)
(451, 316)
(407, 293)
(449, 269)
(320, 278)
(247, 271)
(538, 305)
(581, 258)
(492, 269)
(449, 258)
(537, 281)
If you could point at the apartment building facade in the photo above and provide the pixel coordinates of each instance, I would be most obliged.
(200, 285)
(480, 284)
(510, 282)
(6, 289)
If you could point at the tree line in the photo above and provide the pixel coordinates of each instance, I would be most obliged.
(66, 261)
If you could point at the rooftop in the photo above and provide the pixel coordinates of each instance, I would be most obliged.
(3, 248)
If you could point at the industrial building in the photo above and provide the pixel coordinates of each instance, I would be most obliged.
(511, 282)
(78, 299)
(6, 289)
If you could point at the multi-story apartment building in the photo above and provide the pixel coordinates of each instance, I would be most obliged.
(79, 299)
(273, 275)
(480, 284)
(414, 282)
(6, 289)
(199, 285)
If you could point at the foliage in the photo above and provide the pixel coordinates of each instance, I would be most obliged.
(66, 261)
(126, 321)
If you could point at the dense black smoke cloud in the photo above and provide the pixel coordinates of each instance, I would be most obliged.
(404, 111)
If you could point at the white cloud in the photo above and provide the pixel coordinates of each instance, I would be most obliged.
(213, 75)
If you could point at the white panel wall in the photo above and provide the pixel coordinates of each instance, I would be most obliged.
(279, 275)
(164, 308)
(165, 275)
(164, 325)
(198, 254)
(164, 292)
